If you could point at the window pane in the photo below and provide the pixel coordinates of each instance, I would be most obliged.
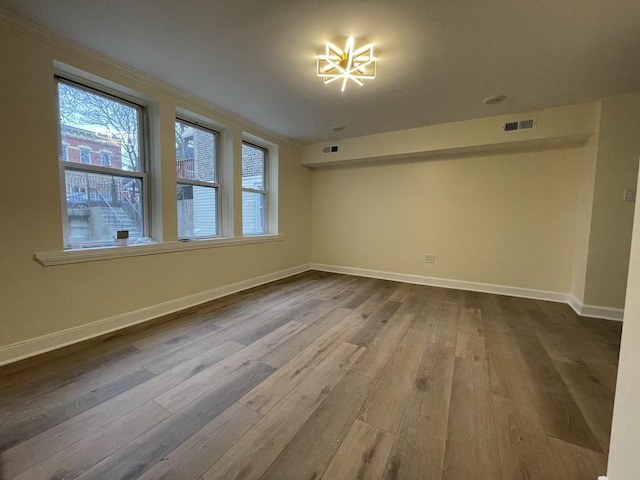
(92, 123)
(253, 213)
(195, 153)
(197, 211)
(253, 160)
(98, 205)
(85, 156)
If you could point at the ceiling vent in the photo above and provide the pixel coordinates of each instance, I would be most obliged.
(519, 125)
(330, 149)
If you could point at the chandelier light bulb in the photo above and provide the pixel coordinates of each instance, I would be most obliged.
(348, 64)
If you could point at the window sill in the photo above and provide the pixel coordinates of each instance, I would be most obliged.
(65, 257)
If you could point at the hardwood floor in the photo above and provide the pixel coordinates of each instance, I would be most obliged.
(322, 376)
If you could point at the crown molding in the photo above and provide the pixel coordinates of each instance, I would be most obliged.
(55, 39)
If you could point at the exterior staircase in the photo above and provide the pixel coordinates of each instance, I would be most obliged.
(118, 219)
(100, 223)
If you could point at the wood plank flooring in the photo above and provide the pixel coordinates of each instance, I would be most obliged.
(322, 376)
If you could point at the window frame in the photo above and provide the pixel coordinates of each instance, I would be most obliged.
(143, 172)
(83, 150)
(264, 192)
(217, 185)
(64, 151)
(104, 155)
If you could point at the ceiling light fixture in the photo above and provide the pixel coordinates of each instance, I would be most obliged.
(348, 64)
(494, 99)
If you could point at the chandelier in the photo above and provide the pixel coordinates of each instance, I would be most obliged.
(348, 64)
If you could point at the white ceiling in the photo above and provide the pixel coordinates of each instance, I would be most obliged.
(437, 58)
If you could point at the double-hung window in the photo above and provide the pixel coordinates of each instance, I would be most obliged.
(254, 189)
(85, 156)
(101, 197)
(197, 169)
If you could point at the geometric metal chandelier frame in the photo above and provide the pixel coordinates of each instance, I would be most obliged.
(348, 64)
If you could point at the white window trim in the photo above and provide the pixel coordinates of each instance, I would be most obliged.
(143, 133)
(64, 149)
(265, 189)
(65, 257)
(102, 153)
(217, 185)
(84, 149)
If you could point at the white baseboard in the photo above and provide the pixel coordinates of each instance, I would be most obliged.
(46, 343)
(594, 311)
(602, 478)
(52, 341)
(446, 283)
(575, 303)
(581, 309)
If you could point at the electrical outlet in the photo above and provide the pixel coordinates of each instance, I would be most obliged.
(630, 195)
(429, 258)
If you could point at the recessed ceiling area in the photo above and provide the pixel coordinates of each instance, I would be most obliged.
(436, 60)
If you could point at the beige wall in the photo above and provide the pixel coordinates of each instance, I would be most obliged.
(37, 300)
(562, 125)
(505, 219)
(550, 219)
(583, 219)
(526, 210)
(624, 450)
(612, 219)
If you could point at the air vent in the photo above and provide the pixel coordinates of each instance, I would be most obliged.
(526, 124)
(330, 149)
(519, 125)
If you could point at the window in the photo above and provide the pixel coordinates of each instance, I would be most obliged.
(254, 189)
(101, 199)
(198, 181)
(64, 153)
(85, 156)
